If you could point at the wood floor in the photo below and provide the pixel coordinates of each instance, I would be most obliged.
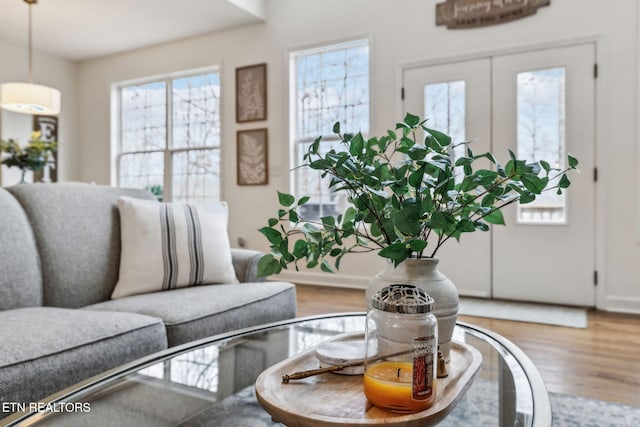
(599, 362)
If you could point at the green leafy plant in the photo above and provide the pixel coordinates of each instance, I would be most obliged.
(157, 190)
(406, 198)
(34, 156)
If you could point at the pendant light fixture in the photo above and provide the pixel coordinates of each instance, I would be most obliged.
(30, 98)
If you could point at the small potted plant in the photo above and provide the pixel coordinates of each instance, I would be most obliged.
(34, 156)
(406, 198)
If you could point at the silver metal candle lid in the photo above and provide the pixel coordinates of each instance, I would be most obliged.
(402, 298)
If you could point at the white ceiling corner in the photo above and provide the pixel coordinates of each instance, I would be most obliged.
(258, 8)
(84, 29)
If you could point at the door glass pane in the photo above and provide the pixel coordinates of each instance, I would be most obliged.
(444, 108)
(196, 176)
(541, 136)
(142, 170)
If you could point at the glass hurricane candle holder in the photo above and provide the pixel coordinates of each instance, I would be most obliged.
(401, 350)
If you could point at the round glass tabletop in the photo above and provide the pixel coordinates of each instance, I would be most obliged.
(211, 381)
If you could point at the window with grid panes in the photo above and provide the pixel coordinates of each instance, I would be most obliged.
(329, 84)
(170, 137)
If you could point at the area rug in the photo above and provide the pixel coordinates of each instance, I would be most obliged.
(572, 411)
(242, 410)
(575, 317)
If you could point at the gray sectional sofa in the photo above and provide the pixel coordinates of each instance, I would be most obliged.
(59, 260)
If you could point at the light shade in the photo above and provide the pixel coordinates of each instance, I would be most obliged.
(30, 98)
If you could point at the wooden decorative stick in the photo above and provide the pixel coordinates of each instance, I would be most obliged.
(335, 368)
(312, 372)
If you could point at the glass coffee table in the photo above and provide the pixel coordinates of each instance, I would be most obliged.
(211, 382)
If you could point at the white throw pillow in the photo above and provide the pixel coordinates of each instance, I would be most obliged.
(172, 245)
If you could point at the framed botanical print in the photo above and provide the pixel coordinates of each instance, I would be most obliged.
(253, 157)
(251, 93)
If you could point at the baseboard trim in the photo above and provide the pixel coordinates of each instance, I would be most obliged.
(348, 281)
(622, 304)
(472, 293)
(336, 280)
(618, 304)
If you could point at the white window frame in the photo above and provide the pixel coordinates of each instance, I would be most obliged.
(168, 150)
(327, 136)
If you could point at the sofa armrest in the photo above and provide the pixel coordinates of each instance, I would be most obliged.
(245, 262)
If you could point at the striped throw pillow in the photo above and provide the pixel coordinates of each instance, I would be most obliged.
(172, 245)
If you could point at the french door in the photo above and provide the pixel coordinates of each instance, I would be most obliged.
(539, 104)
(456, 98)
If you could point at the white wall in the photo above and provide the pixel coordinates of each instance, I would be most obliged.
(401, 32)
(51, 71)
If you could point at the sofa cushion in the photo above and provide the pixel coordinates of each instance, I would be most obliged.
(201, 311)
(77, 230)
(20, 275)
(172, 245)
(45, 349)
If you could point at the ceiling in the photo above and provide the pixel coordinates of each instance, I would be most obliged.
(83, 29)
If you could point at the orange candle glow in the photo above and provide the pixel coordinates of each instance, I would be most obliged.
(389, 386)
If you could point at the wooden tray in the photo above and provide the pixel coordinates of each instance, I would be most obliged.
(339, 400)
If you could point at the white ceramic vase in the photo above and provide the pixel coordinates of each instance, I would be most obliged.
(423, 273)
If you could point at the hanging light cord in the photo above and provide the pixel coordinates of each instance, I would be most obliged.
(30, 3)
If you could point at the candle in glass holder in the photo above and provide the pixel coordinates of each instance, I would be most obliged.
(402, 332)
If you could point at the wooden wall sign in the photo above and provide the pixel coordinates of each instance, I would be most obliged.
(482, 13)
